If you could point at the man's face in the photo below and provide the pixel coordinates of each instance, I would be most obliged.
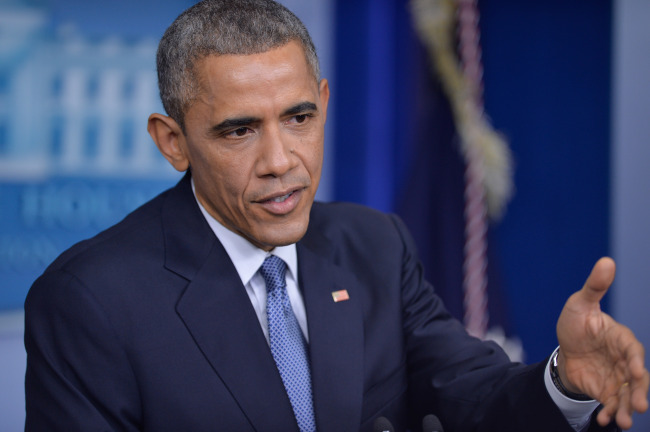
(254, 142)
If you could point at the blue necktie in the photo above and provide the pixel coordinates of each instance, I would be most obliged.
(288, 343)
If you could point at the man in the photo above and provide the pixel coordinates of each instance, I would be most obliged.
(230, 302)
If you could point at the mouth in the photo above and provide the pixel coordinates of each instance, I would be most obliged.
(281, 198)
(283, 202)
(278, 197)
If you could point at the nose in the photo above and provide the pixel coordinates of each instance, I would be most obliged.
(276, 153)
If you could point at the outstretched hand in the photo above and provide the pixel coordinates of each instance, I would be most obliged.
(600, 357)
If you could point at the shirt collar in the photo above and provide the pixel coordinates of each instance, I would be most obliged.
(247, 257)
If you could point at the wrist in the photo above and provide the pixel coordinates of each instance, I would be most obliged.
(559, 382)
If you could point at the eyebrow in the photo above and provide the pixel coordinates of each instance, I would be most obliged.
(300, 108)
(235, 123)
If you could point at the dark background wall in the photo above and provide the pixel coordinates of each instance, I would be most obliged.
(547, 89)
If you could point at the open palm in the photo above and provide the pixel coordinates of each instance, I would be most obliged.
(599, 356)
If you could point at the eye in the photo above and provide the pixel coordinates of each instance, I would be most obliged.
(239, 132)
(300, 118)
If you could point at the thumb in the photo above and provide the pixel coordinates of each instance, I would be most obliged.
(599, 280)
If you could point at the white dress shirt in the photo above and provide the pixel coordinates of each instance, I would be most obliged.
(247, 259)
(576, 412)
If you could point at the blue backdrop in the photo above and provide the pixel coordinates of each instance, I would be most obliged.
(547, 86)
(77, 83)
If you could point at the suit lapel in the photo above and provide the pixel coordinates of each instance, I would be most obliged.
(335, 335)
(220, 317)
(218, 314)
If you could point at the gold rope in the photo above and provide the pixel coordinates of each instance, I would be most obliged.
(435, 22)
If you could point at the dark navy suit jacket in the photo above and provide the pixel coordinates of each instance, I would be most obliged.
(147, 327)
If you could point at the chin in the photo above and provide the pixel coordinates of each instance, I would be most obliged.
(284, 235)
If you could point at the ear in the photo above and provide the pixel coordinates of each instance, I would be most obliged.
(324, 94)
(169, 139)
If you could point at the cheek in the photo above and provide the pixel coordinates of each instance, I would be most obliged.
(313, 156)
(220, 175)
(232, 179)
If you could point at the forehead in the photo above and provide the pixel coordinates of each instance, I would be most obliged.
(228, 73)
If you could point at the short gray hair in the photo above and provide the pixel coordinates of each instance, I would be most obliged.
(222, 27)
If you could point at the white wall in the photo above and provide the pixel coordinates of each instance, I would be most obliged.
(631, 171)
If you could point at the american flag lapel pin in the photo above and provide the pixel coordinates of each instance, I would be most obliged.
(340, 296)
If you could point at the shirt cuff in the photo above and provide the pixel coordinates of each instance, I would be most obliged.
(577, 413)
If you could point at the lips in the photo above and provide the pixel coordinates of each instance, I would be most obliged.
(281, 198)
(281, 203)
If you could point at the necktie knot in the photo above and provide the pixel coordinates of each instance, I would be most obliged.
(273, 271)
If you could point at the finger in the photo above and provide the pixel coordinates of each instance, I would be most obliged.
(637, 375)
(636, 356)
(599, 280)
(640, 393)
(624, 411)
(607, 413)
(631, 350)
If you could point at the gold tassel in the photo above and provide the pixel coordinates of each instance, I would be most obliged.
(435, 22)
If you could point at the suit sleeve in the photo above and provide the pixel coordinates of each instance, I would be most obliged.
(471, 385)
(78, 376)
